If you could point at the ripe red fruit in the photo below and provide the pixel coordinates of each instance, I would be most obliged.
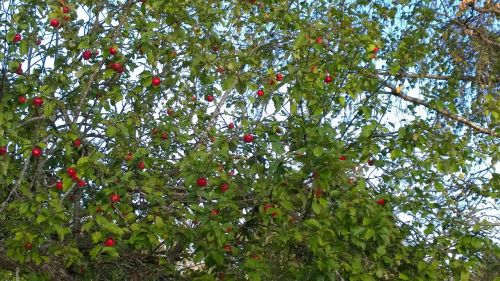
(155, 81)
(371, 162)
(77, 143)
(328, 79)
(267, 206)
(71, 172)
(229, 229)
(87, 54)
(28, 246)
(38, 42)
(54, 23)
(380, 201)
(141, 165)
(37, 101)
(227, 248)
(248, 138)
(230, 125)
(21, 99)
(110, 242)
(202, 182)
(113, 51)
(115, 198)
(81, 183)
(209, 98)
(279, 76)
(59, 185)
(274, 214)
(116, 66)
(224, 187)
(214, 212)
(375, 49)
(260, 92)
(75, 178)
(164, 135)
(319, 40)
(17, 38)
(65, 9)
(342, 158)
(3, 150)
(36, 152)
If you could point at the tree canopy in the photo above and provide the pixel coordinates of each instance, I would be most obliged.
(249, 140)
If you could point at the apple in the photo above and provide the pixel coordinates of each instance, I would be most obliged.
(71, 171)
(87, 54)
(371, 162)
(380, 201)
(214, 212)
(231, 125)
(209, 98)
(3, 150)
(21, 99)
(109, 242)
(279, 76)
(129, 156)
(164, 135)
(38, 42)
(77, 143)
(65, 9)
(113, 51)
(141, 165)
(37, 101)
(248, 138)
(59, 185)
(28, 246)
(202, 182)
(155, 81)
(17, 38)
(224, 187)
(36, 152)
(267, 206)
(227, 248)
(342, 158)
(260, 92)
(54, 23)
(328, 79)
(229, 229)
(75, 178)
(375, 49)
(319, 40)
(274, 214)
(81, 183)
(115, 198)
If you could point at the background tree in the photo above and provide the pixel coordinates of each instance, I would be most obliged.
(259, 140)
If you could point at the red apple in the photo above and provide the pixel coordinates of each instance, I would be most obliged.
(37, 101)
(227, 248)
(164, 135)
(155, 81)
(202, 182)
(115, 198)
(129, 156)
(71, 171)
(224, 187)
(21, 99)
(87, 54)
(371, 162)
(81, 183)
(231, 125)
(59, 185)
(319, 40)
(214, 212)
(248, 138)
(36, 152)
(28, 246)
(274, 214)
(17, 38)
(3, 150)
(342, 158)
(110, 242)
(229, 229)
(141, 165)
(375, 49)
(54, 23)
(328, 79)
(65, 9)
(38, 42)
(209, 98)
(260, 92)
(113, 51)
(267, 206)
(380, 201)
(279, 76)
(77, 143)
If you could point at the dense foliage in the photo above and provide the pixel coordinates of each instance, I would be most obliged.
(249, 140)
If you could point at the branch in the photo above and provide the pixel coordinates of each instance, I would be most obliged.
(429, 76)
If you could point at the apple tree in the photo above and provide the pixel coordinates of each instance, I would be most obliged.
(249, 140)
